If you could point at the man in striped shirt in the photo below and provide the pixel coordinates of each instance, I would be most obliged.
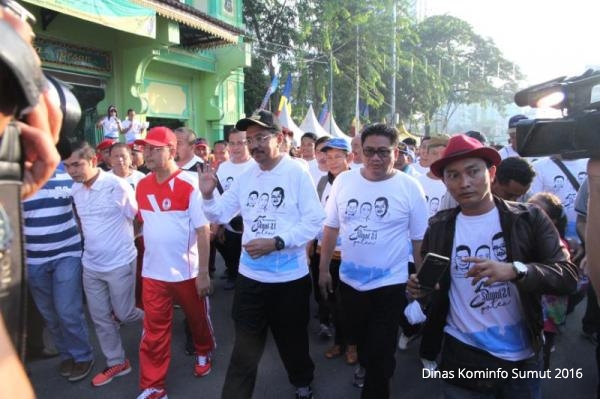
(53, 249)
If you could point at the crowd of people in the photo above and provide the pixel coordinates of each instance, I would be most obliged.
(136, 226)
(350, 221)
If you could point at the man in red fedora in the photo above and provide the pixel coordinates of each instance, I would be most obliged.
(486, 308)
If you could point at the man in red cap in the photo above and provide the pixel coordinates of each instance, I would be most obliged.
(487, 307)
(176, 234)
(103, 153)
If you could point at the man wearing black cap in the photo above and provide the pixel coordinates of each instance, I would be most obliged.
(273, 287)
(511, 149)
(489, 312)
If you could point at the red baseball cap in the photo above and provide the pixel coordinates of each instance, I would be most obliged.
(104, 144)
(160, 136)
(461, 147)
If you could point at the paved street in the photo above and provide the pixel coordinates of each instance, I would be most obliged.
(332, 377)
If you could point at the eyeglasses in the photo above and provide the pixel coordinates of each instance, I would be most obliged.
(237, 143)
(259, 140)
(381, 152)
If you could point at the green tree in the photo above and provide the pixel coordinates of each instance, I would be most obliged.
(452, 65)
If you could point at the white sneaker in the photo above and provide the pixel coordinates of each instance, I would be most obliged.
(429, 364)
(403, 341)
(153, 393)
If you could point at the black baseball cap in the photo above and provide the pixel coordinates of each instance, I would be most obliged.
(260, 117)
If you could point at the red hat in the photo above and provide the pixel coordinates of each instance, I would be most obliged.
(461, 147)
(160, 136)
(106, 143)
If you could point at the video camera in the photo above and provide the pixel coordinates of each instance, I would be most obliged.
(577, 134)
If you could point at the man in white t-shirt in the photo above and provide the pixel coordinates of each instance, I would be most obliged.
(487, 311)
(308, 151)
(432, 185)
(228, 240)
(273, 286)
(106, 207)
(551, 178)
(357, 162)
(510, 150)
(132, 128)
(175, 270)
(375, 249)
(186, 158)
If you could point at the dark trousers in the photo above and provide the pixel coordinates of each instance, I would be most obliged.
(284, 309)
(330, 309)
(230, 249)
(373, 318)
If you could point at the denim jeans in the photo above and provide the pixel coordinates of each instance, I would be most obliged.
(57, 291)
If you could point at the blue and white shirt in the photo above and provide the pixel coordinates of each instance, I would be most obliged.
(50, 228)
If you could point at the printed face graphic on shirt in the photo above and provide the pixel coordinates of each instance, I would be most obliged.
(581, 177)
(263, 201)
(365, 210)
(559, 182)
(483, 252)
(462, 251)
(227, 183)
(381, 206)
(277, 196)
(434, 205)
(499, 247)
(570, 200)
(252, 198)
(351, 207)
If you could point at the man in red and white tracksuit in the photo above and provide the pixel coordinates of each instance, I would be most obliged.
(175, 269)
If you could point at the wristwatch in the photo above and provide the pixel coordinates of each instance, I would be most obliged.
(520, 269)
(279, 243)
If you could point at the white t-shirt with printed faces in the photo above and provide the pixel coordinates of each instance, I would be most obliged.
(279, 202)
(434, 192)
(229, 171)
(487, 317)
(549, 178)
(376, 221)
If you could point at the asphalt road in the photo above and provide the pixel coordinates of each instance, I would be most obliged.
(333, 378)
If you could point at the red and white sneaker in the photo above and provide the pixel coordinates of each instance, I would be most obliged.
(203, 366)
(111, 372)
(153, 393)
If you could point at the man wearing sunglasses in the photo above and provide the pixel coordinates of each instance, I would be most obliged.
(375, 253)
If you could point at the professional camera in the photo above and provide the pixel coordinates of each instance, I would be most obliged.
(577, 134)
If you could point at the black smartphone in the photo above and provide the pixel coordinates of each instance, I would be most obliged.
(433, 268)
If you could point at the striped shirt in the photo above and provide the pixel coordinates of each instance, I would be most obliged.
(49, 224)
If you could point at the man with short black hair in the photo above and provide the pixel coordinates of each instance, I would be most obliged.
(375, 250)
(186, 157)
(488, 311)
(106, 207)
(513, 179)
(510, 150)
(273, 287)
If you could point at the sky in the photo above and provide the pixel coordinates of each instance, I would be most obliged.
(545, 38)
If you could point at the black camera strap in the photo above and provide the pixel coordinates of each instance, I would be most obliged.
(567, 173)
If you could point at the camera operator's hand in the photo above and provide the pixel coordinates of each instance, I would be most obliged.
(40, 130)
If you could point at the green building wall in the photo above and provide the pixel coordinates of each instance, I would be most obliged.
(211, 80)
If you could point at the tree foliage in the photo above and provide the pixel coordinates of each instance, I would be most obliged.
(441, 61)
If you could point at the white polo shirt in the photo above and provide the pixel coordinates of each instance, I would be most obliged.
(106, 210)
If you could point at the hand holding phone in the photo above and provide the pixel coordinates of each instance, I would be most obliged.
(433, 268)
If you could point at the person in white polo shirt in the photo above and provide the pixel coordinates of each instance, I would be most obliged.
(106, 208)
